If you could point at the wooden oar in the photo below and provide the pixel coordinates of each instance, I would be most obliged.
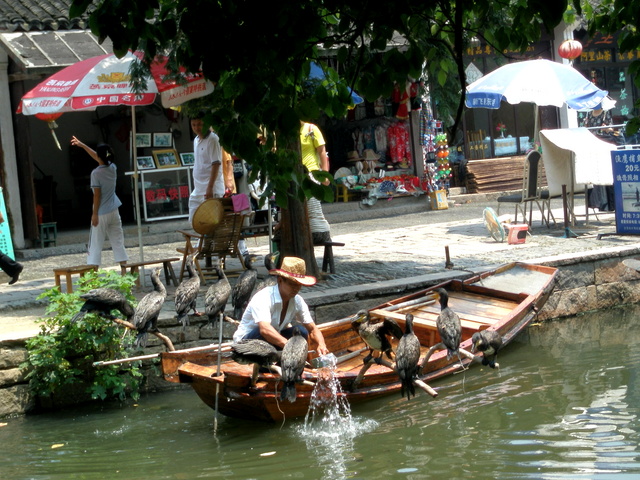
(427, 299)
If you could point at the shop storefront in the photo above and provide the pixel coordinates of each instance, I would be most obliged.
(389, 148)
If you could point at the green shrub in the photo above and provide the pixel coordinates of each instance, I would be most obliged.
(60, 357)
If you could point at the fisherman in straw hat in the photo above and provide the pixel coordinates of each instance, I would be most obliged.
(274, 312)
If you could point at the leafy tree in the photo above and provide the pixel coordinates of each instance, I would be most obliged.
(608, 17)
(259, 53)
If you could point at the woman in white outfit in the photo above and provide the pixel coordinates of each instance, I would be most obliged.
(105, 218)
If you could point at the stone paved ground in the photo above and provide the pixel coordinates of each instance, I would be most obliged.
(397, 246)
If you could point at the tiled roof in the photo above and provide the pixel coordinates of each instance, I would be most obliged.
(38, 15)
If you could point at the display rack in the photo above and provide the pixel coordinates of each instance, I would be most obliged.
(164, 193)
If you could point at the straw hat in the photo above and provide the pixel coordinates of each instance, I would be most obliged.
(207, 216)
(353, 156)
(294, 269)
(371, 155)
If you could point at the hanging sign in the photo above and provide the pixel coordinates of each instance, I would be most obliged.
(626, 187)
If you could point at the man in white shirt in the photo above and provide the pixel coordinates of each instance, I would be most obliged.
(275, 311)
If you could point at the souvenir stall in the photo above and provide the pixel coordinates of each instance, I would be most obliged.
(373, 152)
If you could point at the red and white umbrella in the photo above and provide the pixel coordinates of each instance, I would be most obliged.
(105, 80)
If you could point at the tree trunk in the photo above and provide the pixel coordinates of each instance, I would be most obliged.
(296, 237)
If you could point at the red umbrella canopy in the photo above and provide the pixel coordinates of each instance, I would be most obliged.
(105, 80)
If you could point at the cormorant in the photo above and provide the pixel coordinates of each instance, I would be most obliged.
(488, 342)
(375, 335)
(145, 318)
(270, 263)
(407, 358)
(448, 324)
(102, 301)
(215, 300)
(243, 288)
(255, 352)
(293, 358)
(187, 294)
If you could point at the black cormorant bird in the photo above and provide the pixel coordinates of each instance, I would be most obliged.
(215, 300)
(488, 342)
(146, 317)
(243, 288)
(255, 352)
(270, 263)
(293, 358)
(407, 358)
(375, 335)
(187, 294)
(102, 301)
(448, 324)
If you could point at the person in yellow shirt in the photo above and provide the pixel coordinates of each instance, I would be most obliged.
(314, 157)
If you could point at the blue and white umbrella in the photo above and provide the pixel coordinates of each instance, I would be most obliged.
(316, 73)
(542, 82)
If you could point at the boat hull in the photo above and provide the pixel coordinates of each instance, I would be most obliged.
(506, 300)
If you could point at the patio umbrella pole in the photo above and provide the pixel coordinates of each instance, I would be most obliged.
(136, 187)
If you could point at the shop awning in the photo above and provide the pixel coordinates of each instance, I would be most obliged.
(45, 51)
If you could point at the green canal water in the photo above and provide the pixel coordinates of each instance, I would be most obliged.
(564, 404)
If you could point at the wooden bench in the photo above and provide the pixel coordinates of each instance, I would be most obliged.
(169, 274)
(327, 258)
(69, 271)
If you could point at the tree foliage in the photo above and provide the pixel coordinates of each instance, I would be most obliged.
(258, 54)
(614, 16)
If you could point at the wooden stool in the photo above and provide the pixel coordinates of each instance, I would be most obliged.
(48, 234)
(68, 271)
(169, 274)
(327, 258)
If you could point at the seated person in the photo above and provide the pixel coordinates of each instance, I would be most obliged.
(275, 311)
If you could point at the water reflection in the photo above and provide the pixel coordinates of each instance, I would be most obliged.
(564, 405)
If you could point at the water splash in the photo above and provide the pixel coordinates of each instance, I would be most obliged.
(329, 428)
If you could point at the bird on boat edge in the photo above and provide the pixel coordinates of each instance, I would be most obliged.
(408, 358)
(488, 342)
(376, 335)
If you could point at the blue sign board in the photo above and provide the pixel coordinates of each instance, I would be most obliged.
(6, 245)
(626, 186)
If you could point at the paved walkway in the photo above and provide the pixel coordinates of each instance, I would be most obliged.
(398, 246)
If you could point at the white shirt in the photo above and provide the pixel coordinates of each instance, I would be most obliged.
(266, 306)
(206, 152)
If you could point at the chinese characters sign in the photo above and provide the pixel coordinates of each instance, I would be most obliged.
(626, 186)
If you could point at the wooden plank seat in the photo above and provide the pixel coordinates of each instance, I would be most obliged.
(68, 273)
(327, 257)
(169, 274)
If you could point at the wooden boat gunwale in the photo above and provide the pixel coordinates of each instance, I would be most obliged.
(238, 398)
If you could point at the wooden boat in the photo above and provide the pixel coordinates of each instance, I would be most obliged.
(505, 299)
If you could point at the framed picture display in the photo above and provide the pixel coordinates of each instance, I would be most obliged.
(187, 159)
(162, 139)
(166, 158)
(146, 163)
(143, 140)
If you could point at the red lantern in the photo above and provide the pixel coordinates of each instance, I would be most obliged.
(51, 118)
(570, 49)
